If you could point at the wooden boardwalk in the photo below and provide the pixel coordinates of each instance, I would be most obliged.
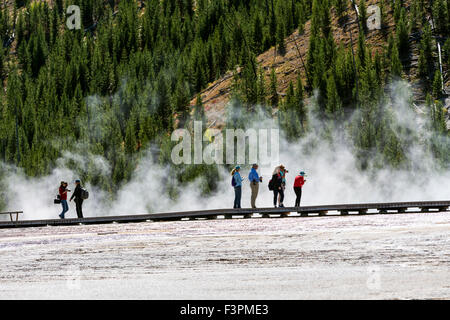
(320, 211)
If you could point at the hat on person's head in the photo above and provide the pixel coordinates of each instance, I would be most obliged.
(237, 167)
(254, 165)
(77, 181)
(302, 173)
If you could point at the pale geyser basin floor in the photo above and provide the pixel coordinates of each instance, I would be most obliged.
(395, 256)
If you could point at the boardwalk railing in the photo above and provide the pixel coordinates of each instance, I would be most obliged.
(324, 210)
(11, 213)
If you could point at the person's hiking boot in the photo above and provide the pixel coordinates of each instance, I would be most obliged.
(62, 217)
(281, 206)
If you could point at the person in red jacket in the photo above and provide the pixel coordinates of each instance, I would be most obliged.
(298, 184)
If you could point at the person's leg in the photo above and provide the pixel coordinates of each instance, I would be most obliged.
(254, 188)
(235, 197)
(63, 204)
(77, 207)
(275, 197)
(252, 197)
(79, 204)
(239, 196)
(299, 195)
(281, 196)
(66, 208)
(81, 208)
(256, 194)
(297, 199)
(237, 193)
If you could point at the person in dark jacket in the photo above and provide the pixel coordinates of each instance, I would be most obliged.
(277, 188)
(282, 171)
(78, 199)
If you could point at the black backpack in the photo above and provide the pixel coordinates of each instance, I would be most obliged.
(233, 182)
(84, 194)
(271, 184)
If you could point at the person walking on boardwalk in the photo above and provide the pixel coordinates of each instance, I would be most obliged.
(63, 197)
(277, 189)
(283, 172)
(78, 199)
(254, 179)
(298, 184)
(236, 182)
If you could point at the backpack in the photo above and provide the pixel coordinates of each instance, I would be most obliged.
(233, 182)
(84, 194)
(271, 184)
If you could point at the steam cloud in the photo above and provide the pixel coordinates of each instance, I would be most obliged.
(332, 176)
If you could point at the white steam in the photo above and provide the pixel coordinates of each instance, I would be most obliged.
(332, 177)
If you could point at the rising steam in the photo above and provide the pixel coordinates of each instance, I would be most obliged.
(333, 175)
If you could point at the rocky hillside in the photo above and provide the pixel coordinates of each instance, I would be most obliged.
(293, 63)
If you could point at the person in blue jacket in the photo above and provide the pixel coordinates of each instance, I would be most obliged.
(255, 180)
(237, 179)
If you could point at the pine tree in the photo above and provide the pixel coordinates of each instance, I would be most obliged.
(164, 108)
(199, 111)
(397, 6)
(363, 15)
(416, 15)
(383, 15)
(300, 103)
(334, 104)
(441, 18)
(273, 89)
(320, 79)
(181, 101)
(325, 18)
(257, 33)
(1, 62)
(280, 39)
(37, 51)
(362, 49)
(341, 7)
(446, 49)
(261, 88)
(436, 116)
(289, 116)
(402, 32)
(396, 65)
(314, 38)
(426, 60)
(437, 85)
(130, 136)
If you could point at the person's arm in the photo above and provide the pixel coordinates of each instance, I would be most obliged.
(75, 193)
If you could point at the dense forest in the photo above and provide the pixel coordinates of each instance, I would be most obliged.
(122, 83)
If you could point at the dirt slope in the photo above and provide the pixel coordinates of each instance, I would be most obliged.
(287, 67)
